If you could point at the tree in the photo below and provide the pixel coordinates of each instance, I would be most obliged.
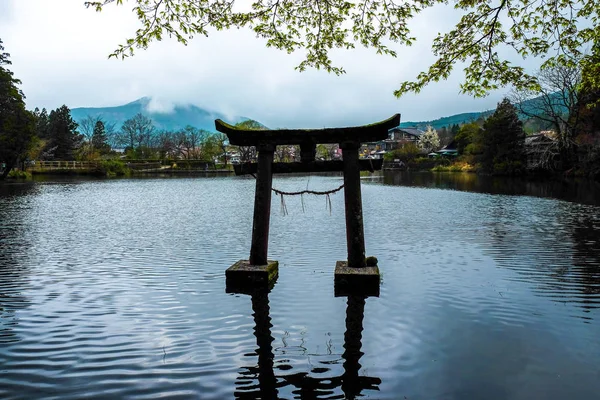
(222, 142)
(466, 135)
(64, 140)
(86, 127)
(540, 28)
(249, 153)
(445, 135)
(211, 148)
(326, 151)
(188, 141)
(503, 141)
(588, 126)
(17, 125)
(286, 153)
(429, 140)
(100, 138)
(136, 132)
(554, 102)
(407, 152)
(589, 94)
(41, 122)
(94, 132)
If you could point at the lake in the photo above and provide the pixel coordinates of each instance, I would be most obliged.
(116, 289)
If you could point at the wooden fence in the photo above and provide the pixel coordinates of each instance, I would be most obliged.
(61, 165)
(135, 165)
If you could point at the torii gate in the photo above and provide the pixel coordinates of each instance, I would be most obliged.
(258, 268)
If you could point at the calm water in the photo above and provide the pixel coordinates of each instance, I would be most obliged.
(116, 289)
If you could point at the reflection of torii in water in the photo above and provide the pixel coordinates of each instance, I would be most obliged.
(308, 387)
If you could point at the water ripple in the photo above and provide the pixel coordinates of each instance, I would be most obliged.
(115, 289)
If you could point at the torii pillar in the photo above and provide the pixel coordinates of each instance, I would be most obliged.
(356, 272)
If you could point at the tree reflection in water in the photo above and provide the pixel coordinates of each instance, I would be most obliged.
(15, 244)
(260, 381)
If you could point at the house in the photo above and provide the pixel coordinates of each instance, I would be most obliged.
(397, 137)
(405, 134)
(400, 136)
(450, 150)
(540, 148)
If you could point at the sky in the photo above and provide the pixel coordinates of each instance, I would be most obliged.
(59, 49)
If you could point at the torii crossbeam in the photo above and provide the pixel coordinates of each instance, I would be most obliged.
(349, 139)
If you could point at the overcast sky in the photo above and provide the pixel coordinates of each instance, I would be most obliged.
(59, 50)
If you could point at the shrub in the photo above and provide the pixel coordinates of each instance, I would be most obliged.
(508, 168)
(407, 152)
(18, 174)
(114, 168)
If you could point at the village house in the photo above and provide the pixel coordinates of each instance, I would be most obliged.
(540, 148)
(396, 139)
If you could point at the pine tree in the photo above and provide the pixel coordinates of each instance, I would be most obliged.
(99, 138)
(503, 141)
(63, 135)
(17, 127)
(41, 122)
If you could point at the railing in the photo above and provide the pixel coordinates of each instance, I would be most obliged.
(56, 165)
(136, 165)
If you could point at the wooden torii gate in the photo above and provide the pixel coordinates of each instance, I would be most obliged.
(258, 268)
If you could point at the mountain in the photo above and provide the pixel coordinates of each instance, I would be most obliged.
(182, 115)
(531, 106)
(449, 121)
(177, 118)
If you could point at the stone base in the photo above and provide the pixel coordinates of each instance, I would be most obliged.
(356, 281)
(242, 277)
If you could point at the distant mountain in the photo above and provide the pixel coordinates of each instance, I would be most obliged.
(182, 115)
(177, 118)
(448, 121)
(530, 106)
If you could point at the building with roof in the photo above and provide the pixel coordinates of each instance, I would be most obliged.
(411, 134)
(397, 138)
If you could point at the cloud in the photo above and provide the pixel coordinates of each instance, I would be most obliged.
(6, 11)
(59, 50)
(160, 106)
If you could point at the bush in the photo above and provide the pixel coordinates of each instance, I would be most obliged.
(114, 168)
(405, 153)
(457, 166)
(508, 168)
(194, 164)
(18, 174)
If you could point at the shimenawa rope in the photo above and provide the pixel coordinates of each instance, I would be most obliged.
(301, 193)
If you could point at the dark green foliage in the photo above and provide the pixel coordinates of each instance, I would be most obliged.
(589, 99)
(250, 124)
(466, 135)
(114, 168)
(588, 125)
(456, 128)
(452, 123)
(41, 123)
(17, 125)
(407, 152)
(502, 141)
(100, 139)
(63, 137)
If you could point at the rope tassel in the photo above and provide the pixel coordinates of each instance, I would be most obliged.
(327, 194)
